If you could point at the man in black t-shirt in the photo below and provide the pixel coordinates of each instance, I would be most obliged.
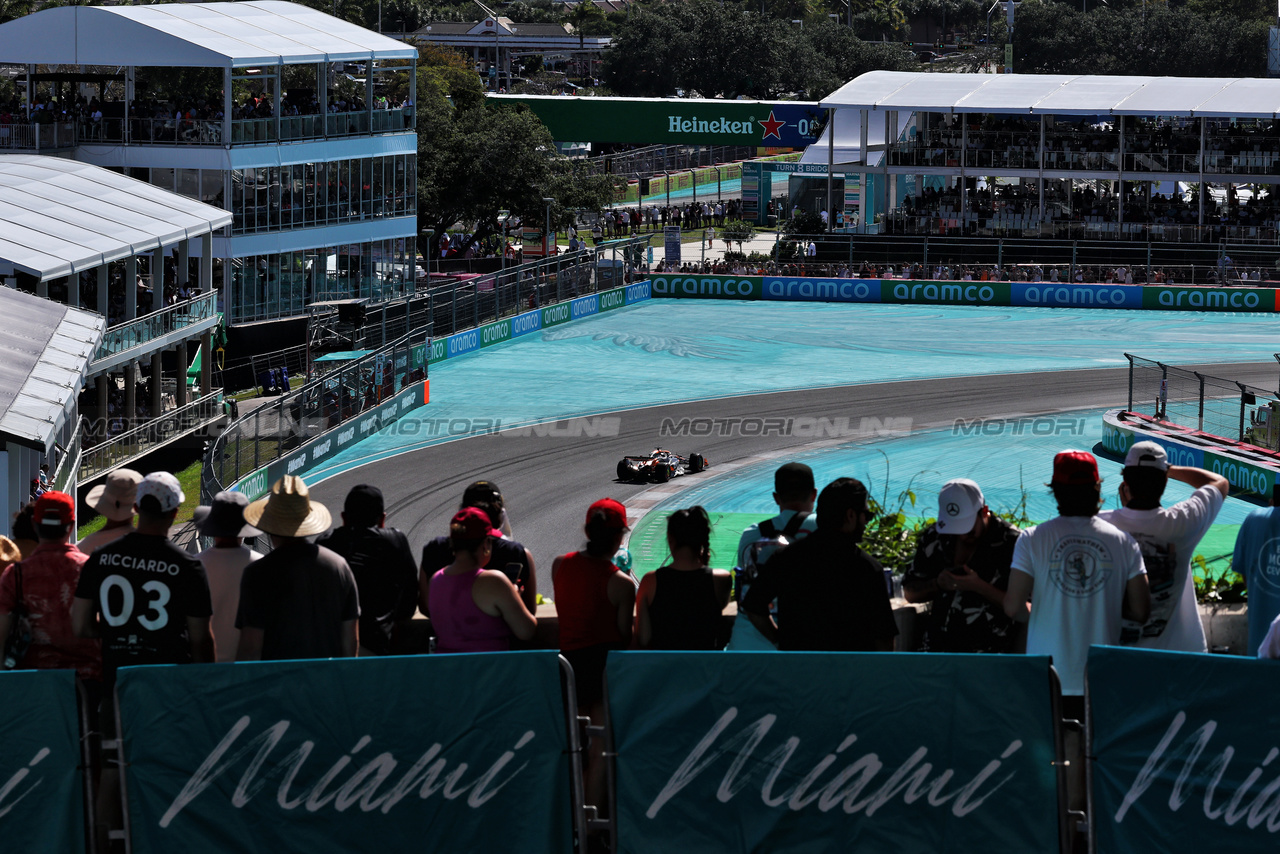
(509, 557)
(146, 598)
(831, 594)
(382, 563)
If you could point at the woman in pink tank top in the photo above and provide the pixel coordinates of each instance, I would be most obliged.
(473, 609)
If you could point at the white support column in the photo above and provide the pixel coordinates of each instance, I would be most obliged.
(206, 265)
(864, 159)
(157, 384)
(130, 394)
(1040, 166)
(73, 290)
(831, 168)
(884, 165)
(227, 106)
(279, 81)
(131, 287)
(42, 288)
(964, 161)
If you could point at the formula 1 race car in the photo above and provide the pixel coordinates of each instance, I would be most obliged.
(659, 467)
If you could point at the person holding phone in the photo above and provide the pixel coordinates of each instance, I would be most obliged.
(961, 568)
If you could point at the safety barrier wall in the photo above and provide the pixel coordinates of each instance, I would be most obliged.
(807, 752)
(440, 753)
(714, 752)
(1247, 478)
(1182, 749)
(528, 322)
(926, 292)
(41, 796)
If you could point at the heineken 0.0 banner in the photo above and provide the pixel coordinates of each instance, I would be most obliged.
(423, 753)
(1184, 748)
(41, 791)
(832, 752)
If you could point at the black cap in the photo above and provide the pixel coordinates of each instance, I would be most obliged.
(363, 505)
(482, 492)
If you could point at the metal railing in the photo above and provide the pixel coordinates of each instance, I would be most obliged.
(1196, 401)
(329, 401)
(142, 330)
(657, 159)
(150, 435)
(1005, 222)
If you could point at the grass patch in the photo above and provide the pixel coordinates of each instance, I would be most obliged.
(189, 477)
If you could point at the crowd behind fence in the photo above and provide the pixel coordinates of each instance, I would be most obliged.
(1021, 259)
(1214, 405)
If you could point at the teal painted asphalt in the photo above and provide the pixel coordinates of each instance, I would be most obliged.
(675, 351)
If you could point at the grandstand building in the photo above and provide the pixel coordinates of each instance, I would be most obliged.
(1070, 157)
(298, 124)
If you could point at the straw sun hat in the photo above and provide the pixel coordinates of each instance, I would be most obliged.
(288, 510)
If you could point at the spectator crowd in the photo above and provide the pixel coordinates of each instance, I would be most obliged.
(126, 595)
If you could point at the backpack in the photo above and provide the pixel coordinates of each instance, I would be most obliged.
(758, 553)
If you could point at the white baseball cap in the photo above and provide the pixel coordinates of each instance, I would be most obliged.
(164, 488)
(1147, 455)
(958, 506)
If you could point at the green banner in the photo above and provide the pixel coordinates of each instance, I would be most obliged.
(822, 752)
(495, 333)
(1209, 299)
(945, 293)
(41, 794)
(682, 121)
(1243, 476)
(693, 286)
(1183, 746)
(442, 753)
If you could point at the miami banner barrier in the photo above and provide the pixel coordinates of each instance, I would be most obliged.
(813, 752)
(41, 794)
(443, 753)
(1184, 750)
(925, 292)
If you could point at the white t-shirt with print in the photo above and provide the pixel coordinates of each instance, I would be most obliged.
(1080, 566)
(1168, 537)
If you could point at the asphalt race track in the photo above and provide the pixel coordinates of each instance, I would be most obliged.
(548, 481)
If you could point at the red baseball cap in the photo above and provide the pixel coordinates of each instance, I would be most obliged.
(615, 515)
(1075, 468)
(475, 523)
(55, 508)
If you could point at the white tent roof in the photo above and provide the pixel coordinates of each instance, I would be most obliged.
(201, 35)
(59, 216)
(45, 350)
(1063, 95)
(848, 147)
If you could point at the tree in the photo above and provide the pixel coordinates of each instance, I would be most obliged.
(738, 231)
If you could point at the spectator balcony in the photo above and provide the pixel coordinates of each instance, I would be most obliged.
(157, 331)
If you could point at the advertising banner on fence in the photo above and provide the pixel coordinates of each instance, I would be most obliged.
(1209, 299)
(685, 285)
(1117, 441)
(822, 290)
(440, 753)
(945, 293)
(1075, 296)
(1183, 745)
(812, 752)
(41, 794)
(1243, 476)
(677, 121)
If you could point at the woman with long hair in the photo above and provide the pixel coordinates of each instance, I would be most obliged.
(680, 605)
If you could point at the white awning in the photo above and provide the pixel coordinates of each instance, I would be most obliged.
(185, 35)
(59, 216)
(1064, 95)
(45, 350)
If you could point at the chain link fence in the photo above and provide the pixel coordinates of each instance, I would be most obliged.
(1196, 401)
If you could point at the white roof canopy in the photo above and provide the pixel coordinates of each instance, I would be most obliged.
(1063, 95)
(186, 35)
(59, 216)
(45, 349)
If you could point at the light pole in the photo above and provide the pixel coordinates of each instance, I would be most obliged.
(546, 235)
